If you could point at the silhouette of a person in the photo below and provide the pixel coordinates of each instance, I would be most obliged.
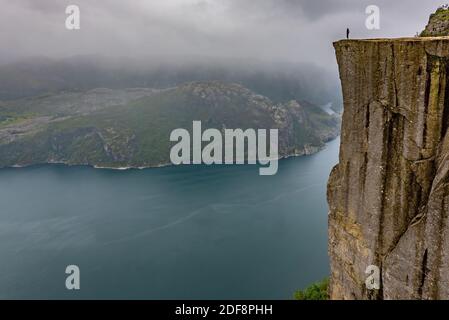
(347, 33)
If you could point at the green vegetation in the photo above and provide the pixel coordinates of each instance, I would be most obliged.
(131, 128)
(442, 12)
(438, 23)
(317, 291)
(7, 119)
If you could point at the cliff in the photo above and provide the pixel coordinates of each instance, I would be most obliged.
(389, 194)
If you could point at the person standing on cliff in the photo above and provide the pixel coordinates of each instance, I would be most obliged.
(347, 33)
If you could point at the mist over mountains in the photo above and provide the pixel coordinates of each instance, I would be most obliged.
(281, 82)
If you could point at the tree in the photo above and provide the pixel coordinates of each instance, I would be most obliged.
(316, 291)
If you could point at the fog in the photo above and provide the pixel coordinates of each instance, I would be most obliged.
(265, 30)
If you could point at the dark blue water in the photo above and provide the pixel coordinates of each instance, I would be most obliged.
(190, 232)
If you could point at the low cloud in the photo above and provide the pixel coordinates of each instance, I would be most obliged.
(268, 30)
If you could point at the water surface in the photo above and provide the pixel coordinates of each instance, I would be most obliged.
(189, 232)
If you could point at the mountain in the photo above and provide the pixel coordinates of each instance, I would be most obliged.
(131, 127)
(281, 82)
(388, 196)
(438, 24)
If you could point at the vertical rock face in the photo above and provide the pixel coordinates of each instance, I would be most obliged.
(389, 194)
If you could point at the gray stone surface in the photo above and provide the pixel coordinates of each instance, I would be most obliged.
(389, 194)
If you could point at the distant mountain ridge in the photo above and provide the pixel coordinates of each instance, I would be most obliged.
(281, 82)
(131, 127)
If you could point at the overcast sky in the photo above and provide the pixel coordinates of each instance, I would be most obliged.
(272, 30)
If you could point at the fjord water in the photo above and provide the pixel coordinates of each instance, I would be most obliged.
(188, 232)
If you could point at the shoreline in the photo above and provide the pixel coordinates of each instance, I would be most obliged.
(161, 165)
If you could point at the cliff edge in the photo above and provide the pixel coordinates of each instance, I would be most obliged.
(389, 194)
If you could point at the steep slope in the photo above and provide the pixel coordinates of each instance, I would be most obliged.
(388, 196)
(131, 128)
(438, 24)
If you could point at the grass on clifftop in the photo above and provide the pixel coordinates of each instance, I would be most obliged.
(316, 291)
(442, 13)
